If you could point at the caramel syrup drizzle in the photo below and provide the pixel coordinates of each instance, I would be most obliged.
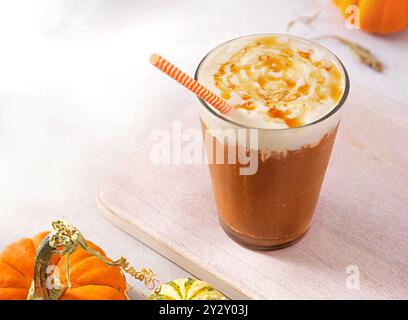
(271, 79)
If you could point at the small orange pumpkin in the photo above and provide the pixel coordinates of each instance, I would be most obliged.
(25, 272)
(378, 16)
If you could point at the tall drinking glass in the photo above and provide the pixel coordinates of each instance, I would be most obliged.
(267, 181)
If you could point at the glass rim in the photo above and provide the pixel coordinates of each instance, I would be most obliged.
(326, 116)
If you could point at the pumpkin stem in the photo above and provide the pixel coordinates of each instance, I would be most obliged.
(45, 286)
(64, 240)
(67, 271)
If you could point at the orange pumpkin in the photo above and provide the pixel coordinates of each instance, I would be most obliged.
(378, 16)
(27, 259)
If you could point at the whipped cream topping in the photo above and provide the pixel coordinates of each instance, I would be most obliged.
(274, 81)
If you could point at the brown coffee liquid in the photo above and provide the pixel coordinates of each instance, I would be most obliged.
(274, 207)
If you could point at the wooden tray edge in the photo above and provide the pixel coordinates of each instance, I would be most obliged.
(161, 248)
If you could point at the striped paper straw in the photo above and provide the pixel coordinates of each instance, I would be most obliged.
(191, 84)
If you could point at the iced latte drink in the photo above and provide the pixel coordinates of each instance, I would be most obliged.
(287, 92)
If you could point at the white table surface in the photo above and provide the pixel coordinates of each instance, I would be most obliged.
(77, 96)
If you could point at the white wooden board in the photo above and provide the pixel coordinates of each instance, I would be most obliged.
(361, 222)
